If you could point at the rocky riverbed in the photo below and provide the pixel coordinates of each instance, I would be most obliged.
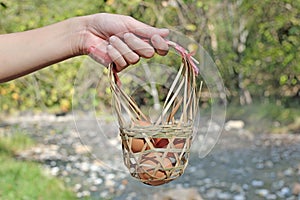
(86, 153)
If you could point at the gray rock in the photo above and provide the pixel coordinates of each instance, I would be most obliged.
(271, 197)
(260, 166)
(178, 194)
(239, 197)
(54, 171)
(98, 181)
(224, 195)
(284, 192)
(235, 188)
(245, 186)
(269, 164)
(262, 192)
(278, 184)
(257, 183)
(288, 172)
(212, 193)
(234, 124)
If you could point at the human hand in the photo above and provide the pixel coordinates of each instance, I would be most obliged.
(122, 40)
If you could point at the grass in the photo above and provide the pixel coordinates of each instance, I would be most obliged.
(267, 117)
(26, 180)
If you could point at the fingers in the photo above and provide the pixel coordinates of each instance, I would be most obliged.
(142, 48)
(99, 53)
(160, 45)
(121, 54)
(131, 48)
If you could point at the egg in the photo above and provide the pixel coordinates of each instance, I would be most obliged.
(160, 142)
(137, 144)
(147, 169)
(142, 123)
(179, 143)
(163, 142)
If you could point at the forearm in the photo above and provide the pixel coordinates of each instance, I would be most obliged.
(25, 52)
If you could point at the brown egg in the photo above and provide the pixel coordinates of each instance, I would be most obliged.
(163, 142)
(179, 143)
(147, 172)
(137, 145)
(160, 142)
(142, 123)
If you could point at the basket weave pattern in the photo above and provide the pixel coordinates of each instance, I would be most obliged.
(163, 145)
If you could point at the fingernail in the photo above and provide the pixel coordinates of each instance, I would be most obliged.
(112, 38)
(109, 47)
(126, 35)
(156, 38)
(164, 31)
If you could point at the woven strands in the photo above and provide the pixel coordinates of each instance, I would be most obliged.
(157, 152)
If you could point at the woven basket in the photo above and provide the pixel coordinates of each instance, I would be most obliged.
(157, 152)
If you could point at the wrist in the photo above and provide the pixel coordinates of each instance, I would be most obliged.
(79, 33)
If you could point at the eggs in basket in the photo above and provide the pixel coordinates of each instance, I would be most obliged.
(155, 160)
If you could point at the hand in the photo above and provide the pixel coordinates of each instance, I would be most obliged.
(122, 40)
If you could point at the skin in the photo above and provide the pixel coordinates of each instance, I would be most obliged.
(105, 37)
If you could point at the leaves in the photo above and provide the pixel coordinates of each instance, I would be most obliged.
(248, 39)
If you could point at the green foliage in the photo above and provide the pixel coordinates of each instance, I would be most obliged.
(49, 89)
(18, 141)
(266, 117)
(272, 49)
(22, 180)
(25, 180)
(255, 45)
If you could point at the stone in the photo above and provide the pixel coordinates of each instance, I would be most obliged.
(234, 124)
(269, 164)
(239, 197)
(259, 166)
(257, 183)
(296, 189)
(98, 181)
(278, 184)
(224, 195)
(54, 171)
(288, 172)
(212, 193)
(284, 192)
(178, 194)
(77, 187)
(86, 193)
(262, 192)
(271, 197)
(85, 166)
(82, 149)
(245, 186)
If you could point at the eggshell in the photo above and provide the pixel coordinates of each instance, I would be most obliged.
(161, 142)
(147, 170)
(179, 143)
(142, 123)
(137, 145)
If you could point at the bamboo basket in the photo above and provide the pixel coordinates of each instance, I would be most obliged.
(157, 152)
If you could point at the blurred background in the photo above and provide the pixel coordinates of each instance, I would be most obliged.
(255, 46)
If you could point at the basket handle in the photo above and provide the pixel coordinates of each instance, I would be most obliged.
(182, 51)
(124, 101)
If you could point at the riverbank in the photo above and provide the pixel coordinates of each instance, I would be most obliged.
(242, 165)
